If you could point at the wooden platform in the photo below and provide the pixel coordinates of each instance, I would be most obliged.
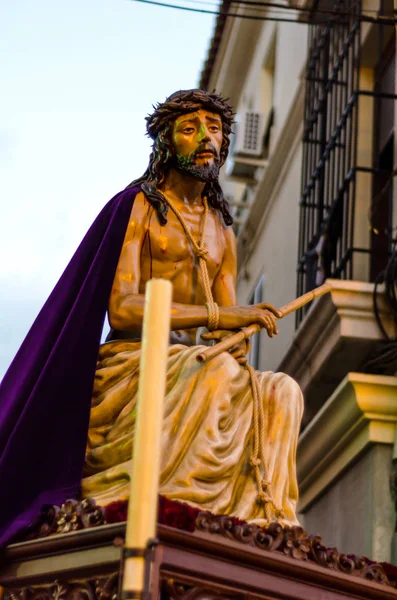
(219, 560)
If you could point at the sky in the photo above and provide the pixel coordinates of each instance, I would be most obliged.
(77, 79)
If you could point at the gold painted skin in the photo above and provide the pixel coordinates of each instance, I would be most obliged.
(208, 409)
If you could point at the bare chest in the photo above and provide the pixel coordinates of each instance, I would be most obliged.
(172, 244)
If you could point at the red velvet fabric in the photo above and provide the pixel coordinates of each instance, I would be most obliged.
(170, 512)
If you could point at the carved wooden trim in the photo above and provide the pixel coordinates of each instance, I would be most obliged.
(71, 516)
(104, 588)
(175, 590)
(294, 542)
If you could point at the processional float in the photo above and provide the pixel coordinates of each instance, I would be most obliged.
(223, 558)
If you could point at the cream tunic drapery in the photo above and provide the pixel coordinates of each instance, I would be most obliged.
(207, 432)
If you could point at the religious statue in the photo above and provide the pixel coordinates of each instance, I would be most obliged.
(229, 433)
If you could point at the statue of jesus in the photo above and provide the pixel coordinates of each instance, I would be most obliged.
(229, 434)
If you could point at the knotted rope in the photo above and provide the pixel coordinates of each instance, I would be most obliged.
(258, 455)
(202, 255)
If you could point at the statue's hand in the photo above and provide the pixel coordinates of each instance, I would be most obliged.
(239, 351)
(236, 317)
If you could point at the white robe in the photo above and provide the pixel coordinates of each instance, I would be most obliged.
(207, 432)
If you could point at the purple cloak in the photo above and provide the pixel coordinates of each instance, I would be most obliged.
(45, 396)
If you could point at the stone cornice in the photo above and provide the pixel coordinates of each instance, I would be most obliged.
(214, 44)
(230, 65)
(361, 411)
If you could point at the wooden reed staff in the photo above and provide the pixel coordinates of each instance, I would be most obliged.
(249, 331)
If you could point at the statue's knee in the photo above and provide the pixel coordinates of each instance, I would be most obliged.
(224, 363)
(292, 388)
(227, 361)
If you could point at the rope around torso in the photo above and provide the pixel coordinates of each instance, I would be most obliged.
(258, 455)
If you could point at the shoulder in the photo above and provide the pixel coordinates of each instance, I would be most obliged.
(229, 235)
(141, 208)
(138, 220)
(140, 200)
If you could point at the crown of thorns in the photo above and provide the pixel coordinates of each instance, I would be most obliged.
(186, 101)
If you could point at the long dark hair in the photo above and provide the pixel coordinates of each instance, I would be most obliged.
(159, 128)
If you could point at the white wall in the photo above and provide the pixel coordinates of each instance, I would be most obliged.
(275, 255)
(291, 50)
(285, 44)
(278, 60)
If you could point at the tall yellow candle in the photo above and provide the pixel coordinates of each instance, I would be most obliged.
(142, 507)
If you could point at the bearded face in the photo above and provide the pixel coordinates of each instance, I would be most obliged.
(190, 133)
(205, 172)
(197, 138)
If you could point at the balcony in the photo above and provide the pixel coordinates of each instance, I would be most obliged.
(337, 335)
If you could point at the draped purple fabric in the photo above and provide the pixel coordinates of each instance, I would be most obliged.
(45, 396)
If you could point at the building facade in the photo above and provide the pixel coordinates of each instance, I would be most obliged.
(310, 179)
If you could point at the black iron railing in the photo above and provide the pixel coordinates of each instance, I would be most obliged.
(330, 166)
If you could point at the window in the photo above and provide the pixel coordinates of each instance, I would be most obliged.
(382, 196)
(339, 177)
